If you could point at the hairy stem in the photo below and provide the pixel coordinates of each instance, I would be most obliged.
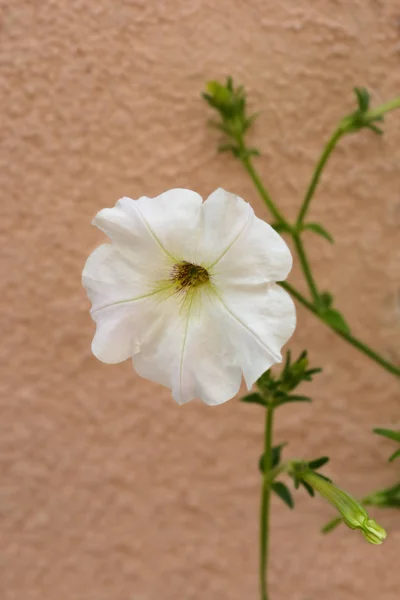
(265, 503)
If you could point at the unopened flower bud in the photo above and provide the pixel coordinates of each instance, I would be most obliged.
(354, 515)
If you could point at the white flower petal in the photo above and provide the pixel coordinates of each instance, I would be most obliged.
(120, 298)
(126, 227)
(258, 322)
(110, 277)
(190, 353)
(258, 255)
(173, 218)
(224, 217)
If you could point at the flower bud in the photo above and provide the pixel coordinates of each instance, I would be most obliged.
(373, 532)
(354, 515)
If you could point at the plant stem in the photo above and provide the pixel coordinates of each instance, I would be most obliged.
(330, 146)
(384, 108)
(390, 367)
(265, 503)
(306, 268)
(248, 165)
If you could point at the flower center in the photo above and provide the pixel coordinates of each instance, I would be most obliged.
(186, 275)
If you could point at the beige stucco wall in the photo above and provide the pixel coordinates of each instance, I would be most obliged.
(109, 490)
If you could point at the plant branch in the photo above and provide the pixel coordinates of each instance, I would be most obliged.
(390, 367)
(330, 146)
(306, 268)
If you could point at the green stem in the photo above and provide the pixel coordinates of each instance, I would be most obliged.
(306, 267)
(390, 367)
(384, 108)
(330, 146)
(248, 165)
(265, 503)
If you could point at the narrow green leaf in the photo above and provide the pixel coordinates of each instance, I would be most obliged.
(332, 525)
(318, 462)
(292, 398)
(283, 492)
(375, 129)
(311, 372)
(388, 433)
(334, 318)
(317, 228)
(394, 455)
(254, 398)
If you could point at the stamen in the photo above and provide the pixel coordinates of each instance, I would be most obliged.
(186, 276)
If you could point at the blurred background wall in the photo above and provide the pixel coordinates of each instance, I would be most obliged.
(109, 490)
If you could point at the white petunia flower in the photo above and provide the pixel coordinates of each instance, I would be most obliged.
(187, 289)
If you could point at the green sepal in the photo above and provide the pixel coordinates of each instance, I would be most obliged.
(394, 456)
(283, 492)
(308, 487)
(332, 525)
(317, 228)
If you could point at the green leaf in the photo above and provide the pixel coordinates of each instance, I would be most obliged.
(276, 454)
(394, 456)
(332, 525)
(275, 457)
(318, 462)
(386, 497)
(388, 433)
(317, 228)
(254, 398)
(283, 492)
(336, 320)
(292, 398)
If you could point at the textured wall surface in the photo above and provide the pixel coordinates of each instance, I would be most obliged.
(109, 490)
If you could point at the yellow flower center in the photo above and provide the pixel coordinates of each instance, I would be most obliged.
(187, 276)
